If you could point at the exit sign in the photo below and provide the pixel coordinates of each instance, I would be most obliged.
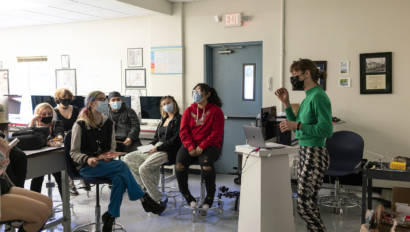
(233, 20)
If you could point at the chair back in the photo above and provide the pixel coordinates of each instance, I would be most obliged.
(71, 165)
(345, 151)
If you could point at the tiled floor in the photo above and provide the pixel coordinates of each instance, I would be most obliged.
(135, 219)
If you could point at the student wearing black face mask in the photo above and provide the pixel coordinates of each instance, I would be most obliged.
(312, 124)
(66, 113)
(43, 117)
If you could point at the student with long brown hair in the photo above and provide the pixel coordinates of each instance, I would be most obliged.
(146, 166)
(312, 124)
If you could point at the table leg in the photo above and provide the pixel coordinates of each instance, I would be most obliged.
(369, 192)
(66, 202)
(364, 190)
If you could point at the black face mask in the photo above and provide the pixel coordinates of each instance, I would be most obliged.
(297, 84)
(46, 120)
(65, 102)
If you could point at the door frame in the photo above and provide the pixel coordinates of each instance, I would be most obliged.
(208, 59)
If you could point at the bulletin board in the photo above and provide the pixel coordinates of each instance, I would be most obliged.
(166, 60)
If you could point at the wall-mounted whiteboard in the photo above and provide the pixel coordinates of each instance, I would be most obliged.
(166, 60)
(66, 78)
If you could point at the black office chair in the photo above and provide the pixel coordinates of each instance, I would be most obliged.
(75, 175)
(346, 157)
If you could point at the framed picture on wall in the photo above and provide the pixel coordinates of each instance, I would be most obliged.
(135, 78)
(66, 78)
(321, 65)
(134, 57)
(376, 73)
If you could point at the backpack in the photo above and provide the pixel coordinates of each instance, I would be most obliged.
(32, 138)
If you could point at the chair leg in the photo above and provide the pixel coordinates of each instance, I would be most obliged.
(97, 209)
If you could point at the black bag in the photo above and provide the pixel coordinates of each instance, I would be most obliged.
(32, 138)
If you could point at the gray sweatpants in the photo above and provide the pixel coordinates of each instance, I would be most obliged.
(145, 168)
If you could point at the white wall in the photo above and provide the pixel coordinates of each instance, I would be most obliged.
(98, 50)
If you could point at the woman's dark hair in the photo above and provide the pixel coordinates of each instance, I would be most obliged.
(305, 64)
(213, 98)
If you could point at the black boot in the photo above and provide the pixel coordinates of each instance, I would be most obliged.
(108, 221)
(150, 205)
(146, 202)
(21, 229)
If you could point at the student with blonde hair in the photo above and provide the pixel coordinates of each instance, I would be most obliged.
(44, 117)
(92, 148)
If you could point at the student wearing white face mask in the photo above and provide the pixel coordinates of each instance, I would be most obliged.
(127, 125)
(145, 166)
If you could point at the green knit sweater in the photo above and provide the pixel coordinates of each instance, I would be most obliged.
(315, 114)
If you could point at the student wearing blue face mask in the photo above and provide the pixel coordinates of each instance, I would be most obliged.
(146, 166)
(127, 125)
(92, 144)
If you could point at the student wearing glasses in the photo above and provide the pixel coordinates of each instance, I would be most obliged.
(92, 148)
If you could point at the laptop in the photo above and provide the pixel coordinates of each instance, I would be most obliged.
(254, 137)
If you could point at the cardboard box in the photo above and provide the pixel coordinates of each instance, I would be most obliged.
(401, 195)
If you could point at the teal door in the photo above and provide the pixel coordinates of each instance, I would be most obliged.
(235, 71)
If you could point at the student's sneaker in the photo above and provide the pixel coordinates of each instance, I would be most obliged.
(206, 205)
(190, 201)
(160, 207)
(108, 221)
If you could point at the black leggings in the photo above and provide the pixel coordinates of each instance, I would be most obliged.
(206, 159)
(37, 183)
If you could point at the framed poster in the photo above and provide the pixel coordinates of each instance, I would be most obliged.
(4, 82)
(135, 78)
(376, 73)
(66, 78)
(134, 57)
(65, 61)
(321, 65)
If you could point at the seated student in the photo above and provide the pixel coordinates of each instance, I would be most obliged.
(43, 117)
(17, 168)
(202, 129)
(66, 116)
(66, 113)
(20, 204)
(145, 166)
(93, 139)
(127, 125)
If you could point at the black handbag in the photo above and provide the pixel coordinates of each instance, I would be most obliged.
(32, 138)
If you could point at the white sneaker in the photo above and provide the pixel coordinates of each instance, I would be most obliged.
(192, 204)
(204, 209)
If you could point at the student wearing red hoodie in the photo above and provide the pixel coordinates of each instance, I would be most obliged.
(201, 133)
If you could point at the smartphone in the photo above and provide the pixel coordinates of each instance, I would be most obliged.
(14, 143)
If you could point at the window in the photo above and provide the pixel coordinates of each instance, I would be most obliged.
(248, 90)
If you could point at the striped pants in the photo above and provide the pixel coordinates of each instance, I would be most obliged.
(145, 168)
(313, 164)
